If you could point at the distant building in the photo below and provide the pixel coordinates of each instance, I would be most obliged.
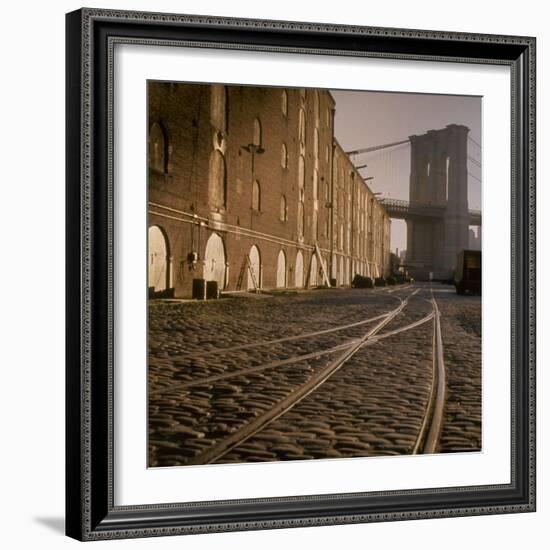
(361, 239)
(243, 176)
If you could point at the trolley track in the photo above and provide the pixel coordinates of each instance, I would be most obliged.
(428, 437)
(295, 359)
(239, 436)
(250, 345)
(426, 441)
(372, 407)
(229, 352)
(296, 337)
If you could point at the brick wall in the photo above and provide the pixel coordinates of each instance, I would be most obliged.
(216, 165)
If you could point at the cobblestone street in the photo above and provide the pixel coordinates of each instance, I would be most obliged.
(311, 374)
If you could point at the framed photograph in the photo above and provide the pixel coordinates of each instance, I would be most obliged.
(300, 274)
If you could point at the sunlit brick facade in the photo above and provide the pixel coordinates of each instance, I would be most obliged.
(240, 172)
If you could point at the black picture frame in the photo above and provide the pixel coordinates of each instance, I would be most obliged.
(90, 510)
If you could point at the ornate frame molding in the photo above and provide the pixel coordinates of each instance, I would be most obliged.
(91, 36)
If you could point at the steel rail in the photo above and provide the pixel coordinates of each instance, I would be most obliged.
(201, 353)
(430, 430)
(279, 340)
(219, 449)
(251, 370)
(290, 360)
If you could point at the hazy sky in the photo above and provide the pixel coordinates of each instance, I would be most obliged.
(365, 119)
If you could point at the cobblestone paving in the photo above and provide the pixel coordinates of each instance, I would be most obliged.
(374, 405)
(461, 331)
(369, 407)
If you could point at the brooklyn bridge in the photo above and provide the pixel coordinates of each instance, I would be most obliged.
(438, 219)
(251, 193)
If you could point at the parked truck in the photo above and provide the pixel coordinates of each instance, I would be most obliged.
(467, 277)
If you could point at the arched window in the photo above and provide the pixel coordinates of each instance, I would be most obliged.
(316, 143)
(302, 127)
(284, 156)
(284, 103)
(283, 213)
(299, 271)
(315, 184)
(256, 196)
(301, 172)
(257, 133)
(424, 174)
(301, 220)
(217, 182)
(314, 225)
(218, 107)
(158, 148)
(317, 106)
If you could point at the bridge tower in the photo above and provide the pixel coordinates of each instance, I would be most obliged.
(439, 178)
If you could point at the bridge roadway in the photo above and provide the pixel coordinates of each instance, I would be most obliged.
(403, 210)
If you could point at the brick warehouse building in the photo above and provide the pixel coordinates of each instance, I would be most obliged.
(248, 187)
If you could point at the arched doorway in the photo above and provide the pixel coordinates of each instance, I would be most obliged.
(313, 271)
(214, 260)
(299, 272)
(157, 272)
(324, 260)
(281, 270)
(255, 262)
